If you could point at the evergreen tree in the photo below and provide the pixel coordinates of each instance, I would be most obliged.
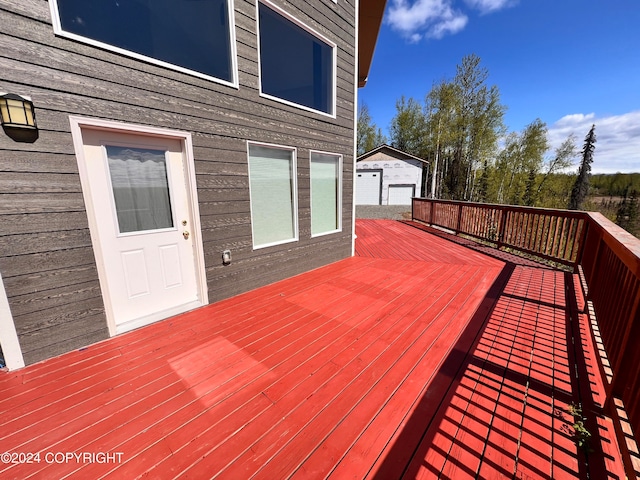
(628, 214)
(634, 213)
(621, 214)
(369, 135)
(483, 183)
(529, 194)
(581, 186)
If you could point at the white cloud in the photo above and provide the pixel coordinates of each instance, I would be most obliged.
(425, 18)
(617, 139)
(488, 6)
(576, 118)
(449, 24)
(418, 19)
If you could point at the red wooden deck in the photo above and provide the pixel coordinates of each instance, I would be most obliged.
(417, 358)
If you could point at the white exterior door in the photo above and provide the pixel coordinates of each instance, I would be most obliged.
(400, 194)
(143, 225)
(368, 187)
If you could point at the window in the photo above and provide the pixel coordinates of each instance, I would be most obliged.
(272, 183)
(326, 202)
(297, 66)
(193, 37)
(140, 188)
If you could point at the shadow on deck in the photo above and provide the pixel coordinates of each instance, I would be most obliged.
(418, 358)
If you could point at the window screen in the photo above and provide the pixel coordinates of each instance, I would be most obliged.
(273, 195)
(325, 193)
(193, 35)
(295, 65)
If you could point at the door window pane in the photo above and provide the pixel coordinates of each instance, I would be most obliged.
(273, 195)
(295, 65)
(194, 35)
(325, 193)
(140, 188)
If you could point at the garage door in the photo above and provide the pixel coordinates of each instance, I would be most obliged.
(368, 185)
(401, 194)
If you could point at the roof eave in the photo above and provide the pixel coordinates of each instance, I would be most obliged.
(370, 19)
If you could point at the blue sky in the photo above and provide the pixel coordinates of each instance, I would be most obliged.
(570, 63)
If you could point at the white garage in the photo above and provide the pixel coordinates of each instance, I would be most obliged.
(401, 194)
(388, 176)
(368, 187)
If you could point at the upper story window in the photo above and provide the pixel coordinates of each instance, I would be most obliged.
(297, 65)
(195, 37)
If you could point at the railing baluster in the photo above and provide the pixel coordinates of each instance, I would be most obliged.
(545, 235)
(534, 232)
(610, 260)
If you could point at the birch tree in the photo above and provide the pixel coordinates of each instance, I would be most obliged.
(464, 119)
(408, 127)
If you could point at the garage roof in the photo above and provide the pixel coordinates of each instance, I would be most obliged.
(393, 152)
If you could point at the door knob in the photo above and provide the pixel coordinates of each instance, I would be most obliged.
(185, 234)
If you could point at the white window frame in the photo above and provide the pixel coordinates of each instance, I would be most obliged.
(294, 187)
(8, 335)
(58, 30)
(339, 193)
(319, 36)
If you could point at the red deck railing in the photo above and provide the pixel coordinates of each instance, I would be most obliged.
(551, 234)
(608, 259)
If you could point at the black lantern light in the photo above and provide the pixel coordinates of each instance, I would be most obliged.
(18, 118)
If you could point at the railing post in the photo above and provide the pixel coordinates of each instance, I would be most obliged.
(432, 204)
(459, 219)
(590, 276)
(502, 221)
(586, 222)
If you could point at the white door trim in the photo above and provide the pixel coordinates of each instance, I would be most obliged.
(80, 123)
(8, 336)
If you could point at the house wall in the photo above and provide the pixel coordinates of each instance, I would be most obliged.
(46, 257)
(395, 172)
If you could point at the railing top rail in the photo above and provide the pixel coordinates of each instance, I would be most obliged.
(516, 208)
(624, 245)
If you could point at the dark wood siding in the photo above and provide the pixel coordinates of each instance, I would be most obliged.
(46, 257)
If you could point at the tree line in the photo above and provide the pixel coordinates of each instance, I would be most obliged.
(459, 128)
(615, 184)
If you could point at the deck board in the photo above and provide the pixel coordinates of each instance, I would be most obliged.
(420, 357)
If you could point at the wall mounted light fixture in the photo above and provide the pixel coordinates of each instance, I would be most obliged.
(18, 117)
